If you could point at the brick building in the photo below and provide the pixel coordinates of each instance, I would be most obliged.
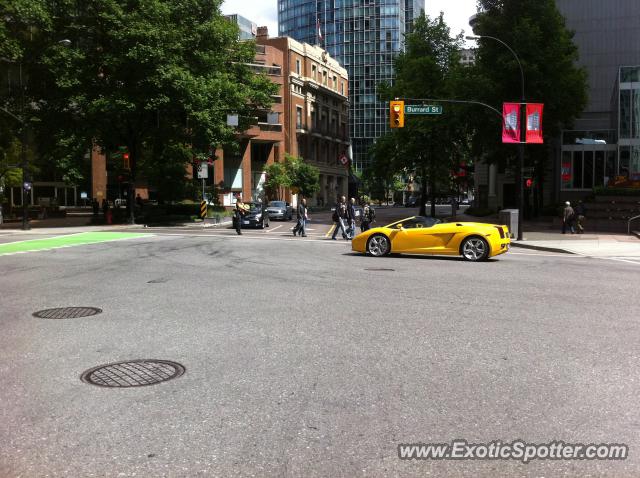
(309, 118)
(315, 112)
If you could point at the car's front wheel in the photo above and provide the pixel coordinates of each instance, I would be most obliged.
(378, 245)
(474, 249)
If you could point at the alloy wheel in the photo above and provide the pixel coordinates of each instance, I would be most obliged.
(474, 249)
(378, 245)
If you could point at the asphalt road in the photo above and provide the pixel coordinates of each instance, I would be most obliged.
(304, 360)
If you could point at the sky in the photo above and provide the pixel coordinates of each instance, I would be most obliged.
(265, 12)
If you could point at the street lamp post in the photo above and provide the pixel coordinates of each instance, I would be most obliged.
(523, 133)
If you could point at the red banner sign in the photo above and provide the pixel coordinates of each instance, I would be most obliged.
(534, 123)
(510, 122)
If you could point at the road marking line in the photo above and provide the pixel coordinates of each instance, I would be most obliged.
(273, 229)
(566, 256)
(330, 231)
(264, 238)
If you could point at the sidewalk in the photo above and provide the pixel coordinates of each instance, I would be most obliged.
(543, 236)
(593, 245)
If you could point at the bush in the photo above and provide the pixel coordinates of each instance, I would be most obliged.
(604, 191)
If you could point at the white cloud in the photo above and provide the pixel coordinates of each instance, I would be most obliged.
(265, 12)
(456, 13)
(261, 12)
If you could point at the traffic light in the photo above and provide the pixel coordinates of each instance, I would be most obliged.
(125, 161)
(528, 183)
(396, 114)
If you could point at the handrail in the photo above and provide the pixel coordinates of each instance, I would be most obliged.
(629, 224)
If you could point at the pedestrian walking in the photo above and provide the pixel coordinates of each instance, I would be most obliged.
(581, 215)
(351, 216)
(568, 218)
(240, 211)
(368, 217)
(340, 218)
(302, 215)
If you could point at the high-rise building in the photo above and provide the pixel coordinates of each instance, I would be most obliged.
(364, 36)
(248, 29)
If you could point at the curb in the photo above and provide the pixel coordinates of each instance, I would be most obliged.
(541, 248)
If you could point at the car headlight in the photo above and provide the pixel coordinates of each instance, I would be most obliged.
(258, 216)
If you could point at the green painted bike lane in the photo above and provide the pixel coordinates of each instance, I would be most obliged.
(68, 240)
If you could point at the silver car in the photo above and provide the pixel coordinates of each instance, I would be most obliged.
(280, 210)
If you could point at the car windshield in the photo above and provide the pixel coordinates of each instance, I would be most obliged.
(416, 221)
(255, 206)
(276, 204)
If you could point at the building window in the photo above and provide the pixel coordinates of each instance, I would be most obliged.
(324, 78)
(335, 83)
(342, 87)
(298, 67)
(313, 71)
(298, 117)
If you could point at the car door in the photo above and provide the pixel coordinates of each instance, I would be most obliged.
(412, 236)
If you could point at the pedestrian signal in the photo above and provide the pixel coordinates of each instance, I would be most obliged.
(396, 114)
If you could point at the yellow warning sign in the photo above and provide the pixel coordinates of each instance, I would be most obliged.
(203, 209)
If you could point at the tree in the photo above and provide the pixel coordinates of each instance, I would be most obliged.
(427, 146)
(148, 75)
(277, 179)
(536, 31)
(304, 176)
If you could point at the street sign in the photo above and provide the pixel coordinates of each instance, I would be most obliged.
(203, 209)
(203, 171)
(343, 159)
(423, 110)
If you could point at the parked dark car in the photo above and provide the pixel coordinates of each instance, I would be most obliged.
(280, 210)
(255, 218)
(412, 202)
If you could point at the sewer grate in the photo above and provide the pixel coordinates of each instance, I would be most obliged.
(379, 269)
(67, 313)
(133, 373)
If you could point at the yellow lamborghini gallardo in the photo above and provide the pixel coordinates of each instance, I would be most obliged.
(426, 235)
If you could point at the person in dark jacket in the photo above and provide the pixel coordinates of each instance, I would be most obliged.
(340, 216)
(302, 219)
(368, 216)
(239, 212)
(568, 217)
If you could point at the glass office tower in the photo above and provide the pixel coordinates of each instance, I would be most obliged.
(364, 36)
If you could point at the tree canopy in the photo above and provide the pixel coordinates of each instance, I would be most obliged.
(427, 145)
(153, 76)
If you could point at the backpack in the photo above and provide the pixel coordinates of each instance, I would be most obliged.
(372, 214)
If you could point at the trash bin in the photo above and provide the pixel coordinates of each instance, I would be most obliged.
(509, 218)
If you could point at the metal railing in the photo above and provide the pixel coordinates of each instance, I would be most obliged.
(629, 224)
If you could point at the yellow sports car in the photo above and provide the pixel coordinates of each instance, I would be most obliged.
(426, 235)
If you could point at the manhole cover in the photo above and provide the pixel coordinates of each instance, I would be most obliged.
(134, 373)
(380, 270)
(157, 281)
(67, 313)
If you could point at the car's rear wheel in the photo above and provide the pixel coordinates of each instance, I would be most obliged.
(474, 249)
(378, 245)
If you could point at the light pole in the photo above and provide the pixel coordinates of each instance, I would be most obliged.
(523, 133)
